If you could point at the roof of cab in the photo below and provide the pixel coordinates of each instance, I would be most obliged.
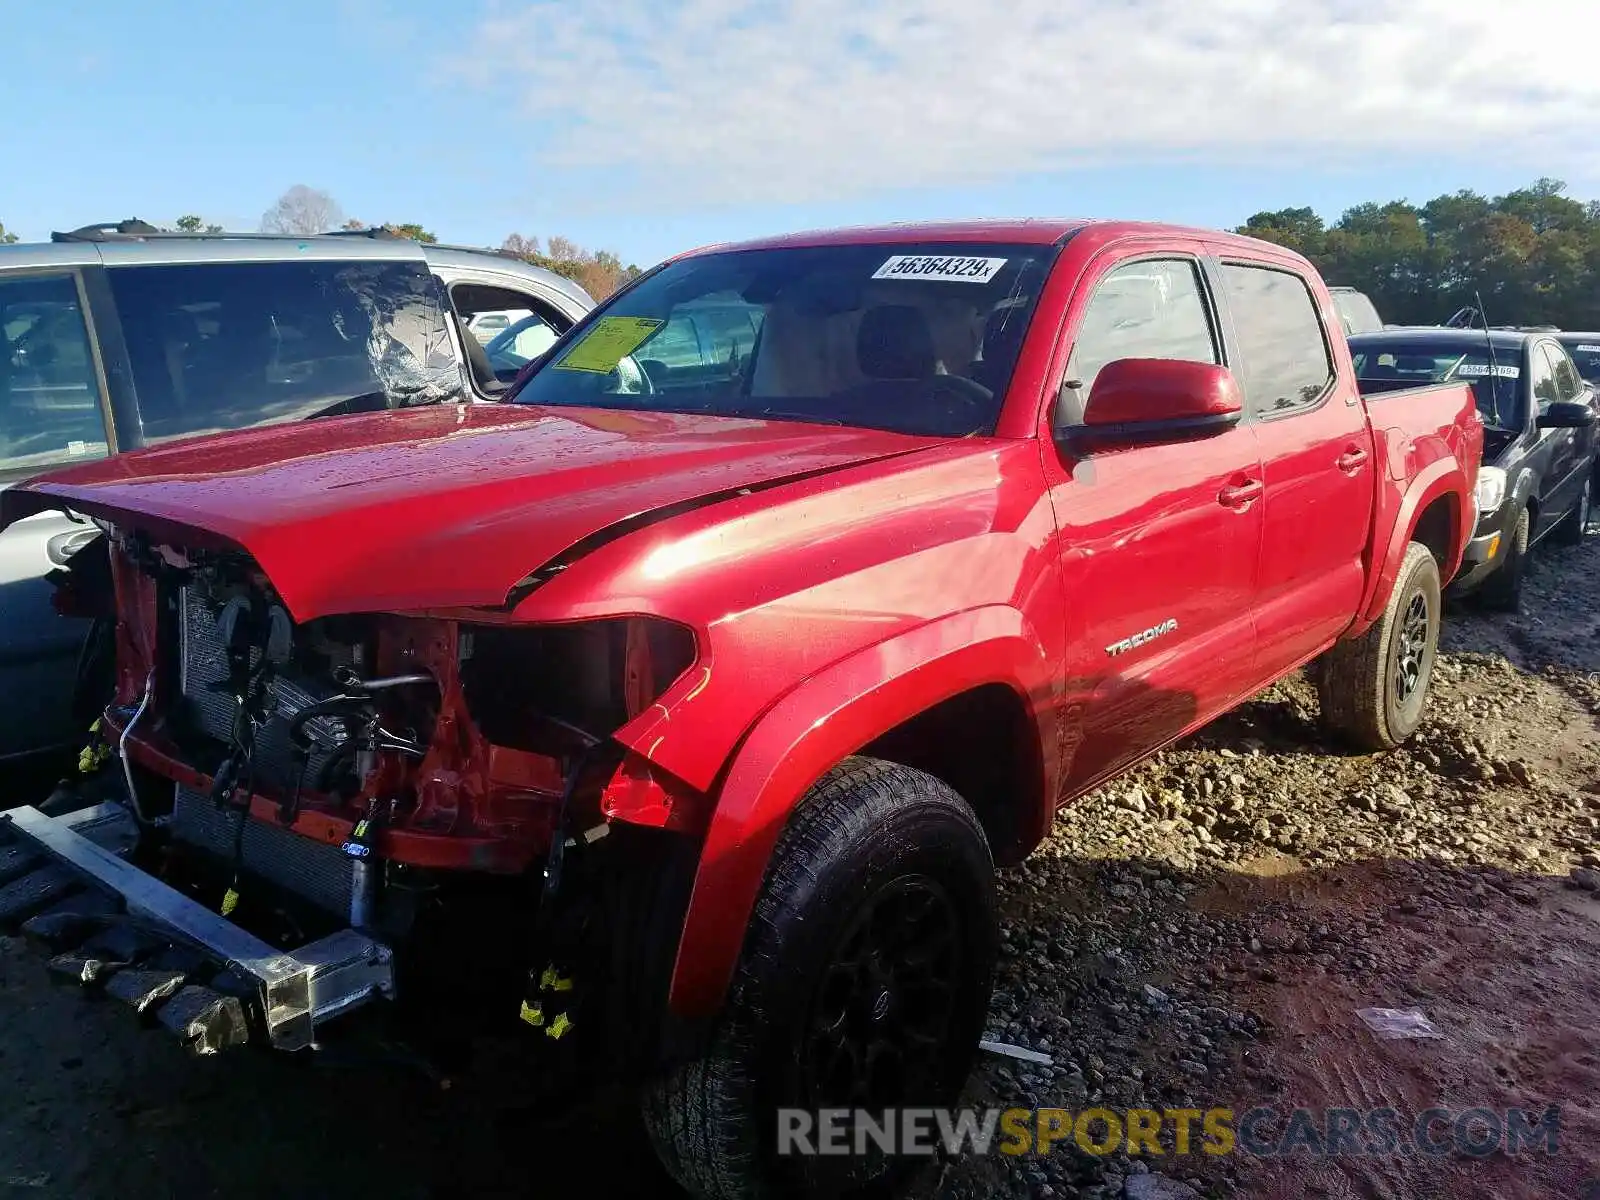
(1033, 231)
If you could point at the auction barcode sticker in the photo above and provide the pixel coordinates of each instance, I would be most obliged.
(1485, 369)
(957, 268)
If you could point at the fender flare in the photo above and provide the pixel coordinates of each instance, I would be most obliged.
(1522, 490)
(812, 727)
(1441, 478)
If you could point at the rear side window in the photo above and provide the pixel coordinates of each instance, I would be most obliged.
(1285, 366)
(730, 332)
(675, 345)
(700, 343)
(217, 346)
(1145, 309)
(50, 411)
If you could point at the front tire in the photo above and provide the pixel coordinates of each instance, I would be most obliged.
(1373, 688)
(864, 984)
(1503, 589)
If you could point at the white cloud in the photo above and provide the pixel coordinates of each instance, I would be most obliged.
(806, 100)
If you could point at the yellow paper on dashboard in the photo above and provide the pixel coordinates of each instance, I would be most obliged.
(606, 343)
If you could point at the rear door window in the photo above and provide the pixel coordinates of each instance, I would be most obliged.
(51, 409)
(702, 346)
(217, 346)
(1285, 364)
(730, 332)
(675, 347)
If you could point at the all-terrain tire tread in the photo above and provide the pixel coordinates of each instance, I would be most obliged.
(1352, 677)
(1502, 591)
(684, 1111)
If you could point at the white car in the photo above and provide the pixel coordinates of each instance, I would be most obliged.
(486, 326)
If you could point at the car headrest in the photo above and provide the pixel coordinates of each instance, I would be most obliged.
(894, 342)
(178, 325)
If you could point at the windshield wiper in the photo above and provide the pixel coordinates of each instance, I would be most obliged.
(370, 402)
(365, 402)
(774, 414)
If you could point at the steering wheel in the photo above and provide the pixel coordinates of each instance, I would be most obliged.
(632, 379)
(974, 403)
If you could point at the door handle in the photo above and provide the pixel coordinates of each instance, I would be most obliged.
(1352, 459)
(1238, 495)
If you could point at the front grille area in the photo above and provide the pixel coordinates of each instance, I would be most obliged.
(317, 872)
(209, 708)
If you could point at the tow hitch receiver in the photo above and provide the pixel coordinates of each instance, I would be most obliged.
(115, 928)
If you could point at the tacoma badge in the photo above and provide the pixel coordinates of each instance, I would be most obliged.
(1139, 639)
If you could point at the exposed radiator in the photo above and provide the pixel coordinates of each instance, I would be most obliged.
(211, 710)
(317, 872)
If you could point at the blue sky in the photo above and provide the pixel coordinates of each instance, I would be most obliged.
(646, 126)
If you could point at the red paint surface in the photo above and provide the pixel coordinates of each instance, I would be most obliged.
(369, 513)
(830, 608)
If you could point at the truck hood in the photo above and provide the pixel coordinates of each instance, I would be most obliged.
(440, 507)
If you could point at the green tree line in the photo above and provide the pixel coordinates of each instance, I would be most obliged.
(1533, 254)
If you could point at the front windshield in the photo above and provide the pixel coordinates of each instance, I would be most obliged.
(226, 345)
(1496, 385)
(1585, 352)
(918, 339)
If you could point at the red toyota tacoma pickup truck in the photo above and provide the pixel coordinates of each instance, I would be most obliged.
(668, 719)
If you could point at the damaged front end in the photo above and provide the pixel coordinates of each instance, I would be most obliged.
(354, 808)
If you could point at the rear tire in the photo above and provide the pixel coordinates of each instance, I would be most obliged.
(1373, 688)
(1503, 589)
(1570, 531)
(873, 942)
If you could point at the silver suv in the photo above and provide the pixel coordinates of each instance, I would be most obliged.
(115, 337)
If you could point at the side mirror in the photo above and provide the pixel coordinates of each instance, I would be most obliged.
(1137, 401)
(1567, 414)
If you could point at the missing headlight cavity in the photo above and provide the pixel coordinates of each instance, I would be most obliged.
(523, 683)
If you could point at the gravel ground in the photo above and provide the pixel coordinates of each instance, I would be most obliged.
(1198, 934)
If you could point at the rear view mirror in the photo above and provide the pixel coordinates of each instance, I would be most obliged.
(1567, 414)
(1136, 401)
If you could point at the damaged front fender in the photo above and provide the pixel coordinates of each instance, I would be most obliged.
(831, 716)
